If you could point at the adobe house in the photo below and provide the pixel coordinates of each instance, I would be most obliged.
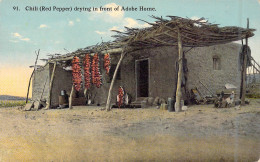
(153, 62)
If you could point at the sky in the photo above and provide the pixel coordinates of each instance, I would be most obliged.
(22, 31)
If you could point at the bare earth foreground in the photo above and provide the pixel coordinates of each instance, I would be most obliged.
(202, 133)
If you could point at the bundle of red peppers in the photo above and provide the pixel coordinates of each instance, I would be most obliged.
(107, 62)
(87, 73)
(120, 97)
(96, 76)
(76, 74)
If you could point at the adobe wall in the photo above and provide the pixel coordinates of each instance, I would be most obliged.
(162, 72)
(62, 81)
(200, 65)
(163, 75)
(40, 84)
(100, 94)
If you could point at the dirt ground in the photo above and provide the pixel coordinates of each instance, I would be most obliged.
(202, 133)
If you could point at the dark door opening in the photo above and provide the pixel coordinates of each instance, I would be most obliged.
(142, 78)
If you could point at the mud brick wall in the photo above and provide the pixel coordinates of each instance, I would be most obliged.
(163, 75)
(62, 81)
(100, 94)
(200, 65)
(39, 82)
(162, 71)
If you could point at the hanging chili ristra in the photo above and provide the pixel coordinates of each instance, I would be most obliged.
(96, 76)
(87, 73)
(120, 97)
(76, 74)
(107, 62)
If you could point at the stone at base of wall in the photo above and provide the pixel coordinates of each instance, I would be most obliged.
(28, 106)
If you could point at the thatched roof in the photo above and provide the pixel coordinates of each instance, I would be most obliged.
(194, 33)
(164, 32)
(103, 48)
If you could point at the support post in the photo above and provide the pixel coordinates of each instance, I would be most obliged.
(48, 105)
(243, 96)
(180, 63)
(28, 90)
(71, 96)
(108, 105)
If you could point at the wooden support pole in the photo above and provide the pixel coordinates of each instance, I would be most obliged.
(71, 96)
(48, 105)
(180, 63)
(43, 88)
(37, 55)
(29, 85)
(243, 96)
(108, 105)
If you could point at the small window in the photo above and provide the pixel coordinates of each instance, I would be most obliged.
(111, 73)
(216, 63)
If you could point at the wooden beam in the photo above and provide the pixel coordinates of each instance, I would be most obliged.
(178, 89)
(161, 41)
(71, 96)
(147, 35)
(48, 105)
(255, 68)
(28, 90)
(243, 96)
(199, 40)
(64, 58)
(108, 105)
(255, 63)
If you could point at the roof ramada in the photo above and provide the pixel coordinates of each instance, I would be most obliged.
(164, 32)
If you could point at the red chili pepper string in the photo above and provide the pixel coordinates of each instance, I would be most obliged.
(120, 96)
(107, 62)
(76, 73)
(87, 73)
(96, 76)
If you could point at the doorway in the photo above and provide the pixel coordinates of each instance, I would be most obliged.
(142, 78)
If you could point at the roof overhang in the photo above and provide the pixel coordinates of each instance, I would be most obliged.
(164, 32)
(194, 33)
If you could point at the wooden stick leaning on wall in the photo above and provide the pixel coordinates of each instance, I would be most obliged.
(71, 96)
(178, 89)
(43, 88)
(108, 105)
(37, 55)
(50, 88)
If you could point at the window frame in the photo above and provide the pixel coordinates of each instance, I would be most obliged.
(216, 63)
